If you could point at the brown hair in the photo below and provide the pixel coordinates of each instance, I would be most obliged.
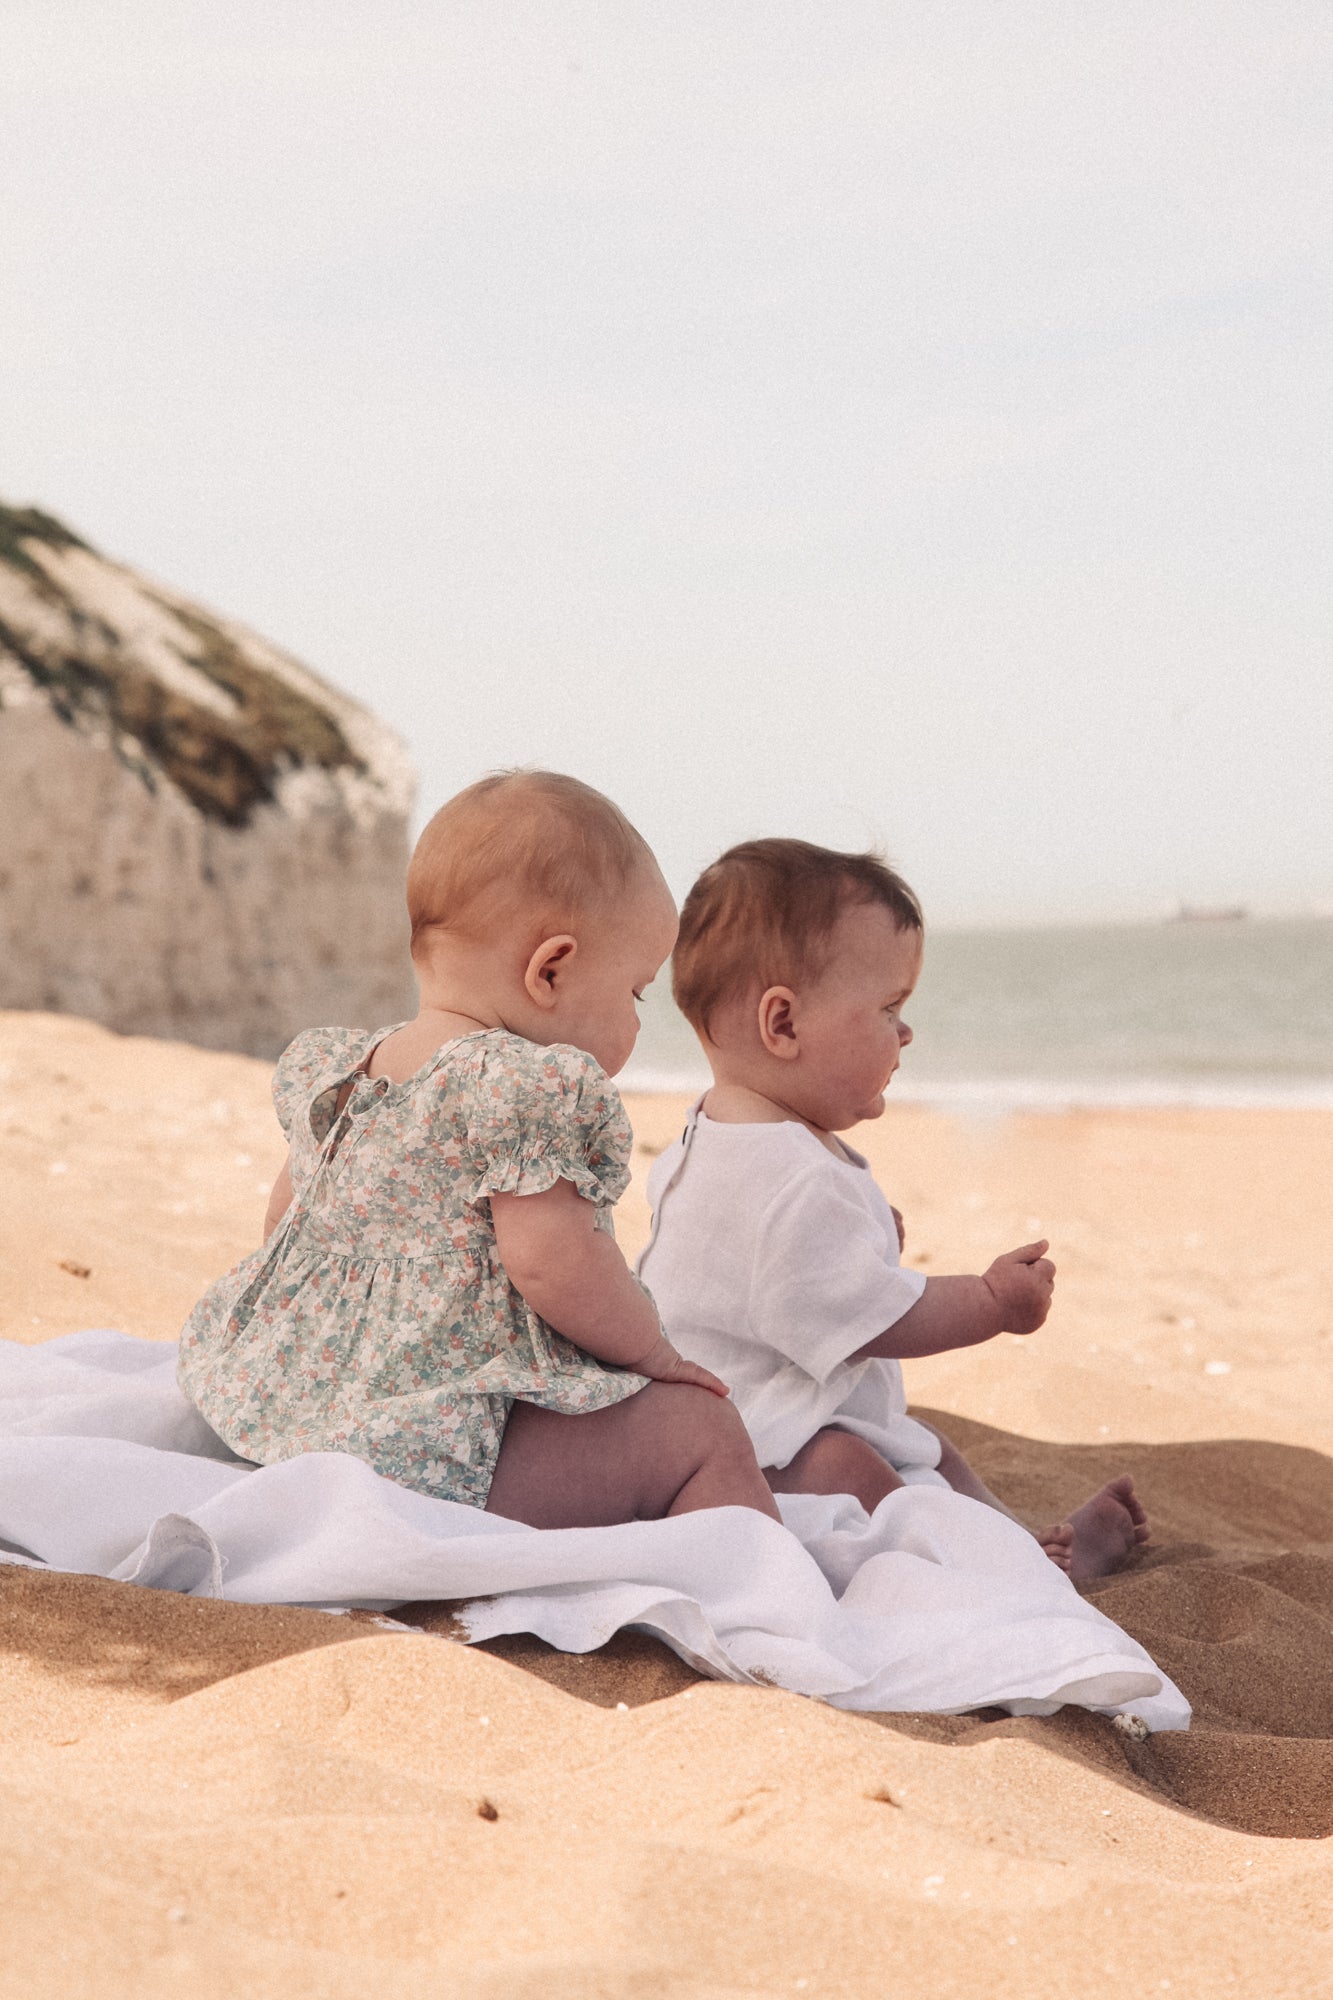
(517, 839)
(764, 914)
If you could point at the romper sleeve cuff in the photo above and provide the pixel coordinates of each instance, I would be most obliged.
(542, 1115)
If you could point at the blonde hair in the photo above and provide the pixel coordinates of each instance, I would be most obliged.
(521, 840)
(763, 915)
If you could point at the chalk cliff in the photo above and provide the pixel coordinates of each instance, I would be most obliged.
(199, 838)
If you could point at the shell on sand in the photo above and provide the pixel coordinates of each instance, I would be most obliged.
(209, 1797)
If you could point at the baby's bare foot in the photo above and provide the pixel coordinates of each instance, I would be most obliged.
(1058, 1543)
(1106, 1530)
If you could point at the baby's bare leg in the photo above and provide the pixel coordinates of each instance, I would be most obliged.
(963, 1479)
(1094, 1541)
(1057, 1541)
(835, 1461)
(670, 1449)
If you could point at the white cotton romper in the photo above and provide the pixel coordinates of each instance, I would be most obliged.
(771, 1261)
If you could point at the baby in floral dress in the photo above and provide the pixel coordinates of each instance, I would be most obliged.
(440, 1292)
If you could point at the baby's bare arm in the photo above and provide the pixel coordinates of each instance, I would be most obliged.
(572, 1274)
(280, 1200)
(1013, 1296)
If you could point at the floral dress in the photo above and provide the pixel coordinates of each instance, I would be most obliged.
(378, 1319)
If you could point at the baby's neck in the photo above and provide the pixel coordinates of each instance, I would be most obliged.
(450, 1021)
(401, 1054)
(730, 1102)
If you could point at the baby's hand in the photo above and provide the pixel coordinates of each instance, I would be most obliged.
(1021, 1283)
(662, 1363)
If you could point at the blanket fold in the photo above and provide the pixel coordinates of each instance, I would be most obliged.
(933, 1603)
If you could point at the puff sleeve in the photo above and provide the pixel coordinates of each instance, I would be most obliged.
(304, 1085)
(537, 1115)
(300, 1065)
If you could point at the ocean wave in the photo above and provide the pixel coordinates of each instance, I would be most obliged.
(1172, 1016)
(998, 1095)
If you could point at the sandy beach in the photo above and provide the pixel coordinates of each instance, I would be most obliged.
(207, 1797)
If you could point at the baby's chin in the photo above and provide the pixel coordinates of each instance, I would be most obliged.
(873, 1108)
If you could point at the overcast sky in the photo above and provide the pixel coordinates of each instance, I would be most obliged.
(891, 422)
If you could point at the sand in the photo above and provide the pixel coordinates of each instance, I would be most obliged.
(206, 1798)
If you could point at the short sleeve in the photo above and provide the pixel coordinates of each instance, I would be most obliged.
(537, 1115)
(825, 1278)
(307, 1062)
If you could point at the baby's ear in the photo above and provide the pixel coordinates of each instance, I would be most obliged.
(546, 967)
(777, 1022)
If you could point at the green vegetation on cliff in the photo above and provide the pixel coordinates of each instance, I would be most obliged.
(225, 764)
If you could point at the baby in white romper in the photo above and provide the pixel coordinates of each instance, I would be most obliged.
(774, 1258)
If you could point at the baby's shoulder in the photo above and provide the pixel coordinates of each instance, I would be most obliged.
(503, 1064)
(500, 1077)
(745, 1165)
(533, 1113)
(778, 1152)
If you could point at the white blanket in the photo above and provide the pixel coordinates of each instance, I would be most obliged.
(933, 1603)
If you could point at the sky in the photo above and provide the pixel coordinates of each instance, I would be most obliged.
(897, 423)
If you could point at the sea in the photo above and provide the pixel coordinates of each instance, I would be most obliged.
(1207, 1012)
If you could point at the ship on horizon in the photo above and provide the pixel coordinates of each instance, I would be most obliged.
(1208, 913)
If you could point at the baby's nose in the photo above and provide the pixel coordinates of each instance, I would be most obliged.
(904, 1034)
